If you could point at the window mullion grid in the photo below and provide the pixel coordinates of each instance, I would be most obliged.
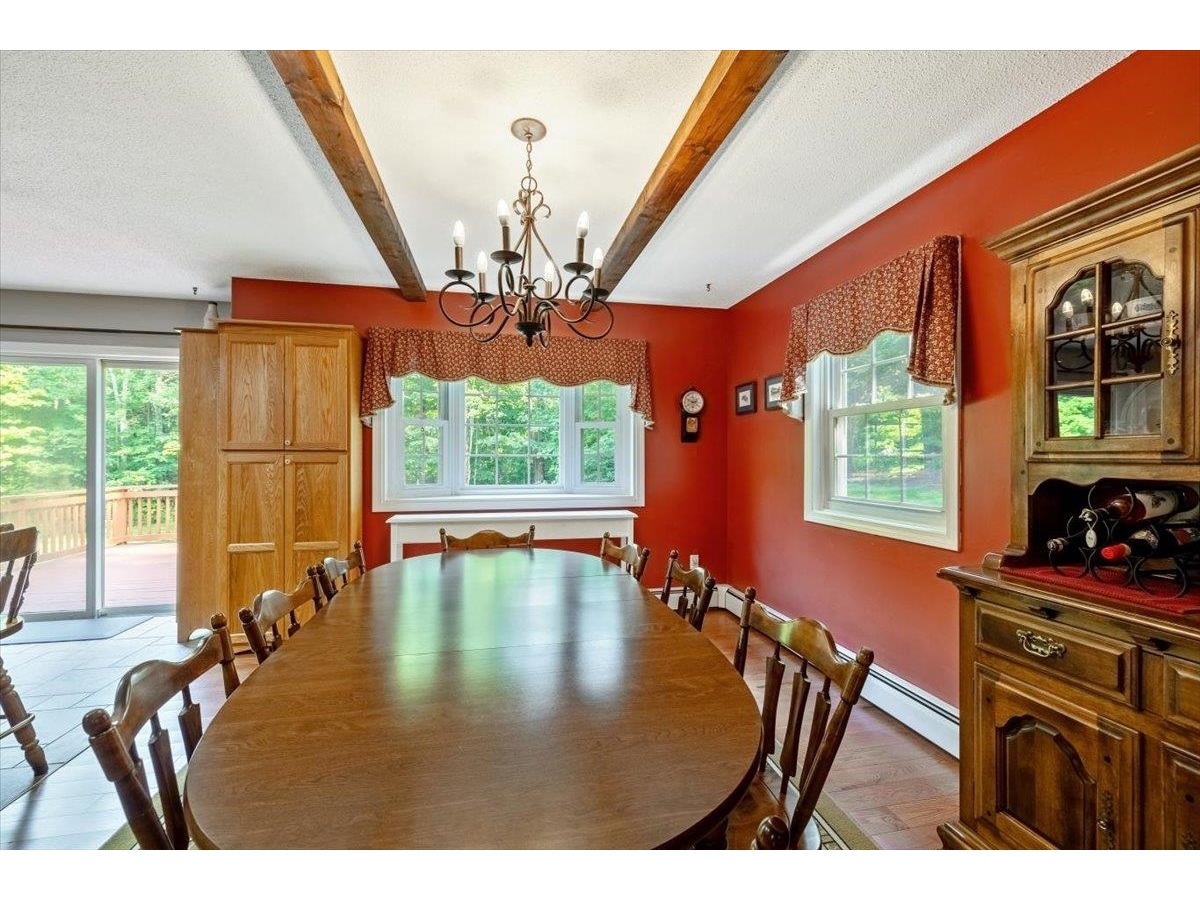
(456, 436)
(570, 412)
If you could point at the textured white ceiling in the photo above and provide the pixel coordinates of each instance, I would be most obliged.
(148, 173)
(438, 124)
(838, 137)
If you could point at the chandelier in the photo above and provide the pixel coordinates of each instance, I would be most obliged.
(535, 302)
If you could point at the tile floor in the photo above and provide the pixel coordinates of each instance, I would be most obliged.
(74, 806)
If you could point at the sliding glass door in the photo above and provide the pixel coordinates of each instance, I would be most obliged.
(44, 476)
(141, 464)
(89, 451)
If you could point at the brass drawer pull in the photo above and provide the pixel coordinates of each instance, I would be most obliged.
(1040, 645)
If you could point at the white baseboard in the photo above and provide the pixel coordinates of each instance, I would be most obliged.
(932, 718)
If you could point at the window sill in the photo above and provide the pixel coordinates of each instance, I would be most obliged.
(422, 528)
(514, 502)
(901, 531)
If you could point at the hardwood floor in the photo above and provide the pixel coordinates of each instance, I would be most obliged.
(896, 785)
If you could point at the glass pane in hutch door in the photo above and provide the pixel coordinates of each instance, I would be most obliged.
(1072, 413)
(1133, 407)
(1134, 292)
(1075, 306)
(1072, 360)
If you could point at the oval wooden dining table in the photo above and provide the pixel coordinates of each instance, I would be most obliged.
(517, 698)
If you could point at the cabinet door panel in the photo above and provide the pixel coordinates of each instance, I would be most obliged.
(252, 372)
(318, 509)
(254, 523)
(1060, 775)
(317, 392)
(1180, 798)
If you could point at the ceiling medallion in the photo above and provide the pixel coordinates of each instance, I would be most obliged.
(533, 302)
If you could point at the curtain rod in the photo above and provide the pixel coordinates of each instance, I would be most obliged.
(88, 330)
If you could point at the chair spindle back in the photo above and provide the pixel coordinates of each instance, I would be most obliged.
(630, 557)
(819, 665)
(141, 694)
(696, 588)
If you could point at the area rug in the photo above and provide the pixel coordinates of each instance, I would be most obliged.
(838, 830)
(74, 630)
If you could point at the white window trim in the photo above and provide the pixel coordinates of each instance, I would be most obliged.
(935, 529)
(385, 497)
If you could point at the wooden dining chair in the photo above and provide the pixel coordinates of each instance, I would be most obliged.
(331, 570)
(696, 588)
(269, 610)
(485, 540)
(141, 694)
(18, 550)
(630, 557)
(761, 819)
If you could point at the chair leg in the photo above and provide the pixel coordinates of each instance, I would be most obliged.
(718, 839)
(21, 723)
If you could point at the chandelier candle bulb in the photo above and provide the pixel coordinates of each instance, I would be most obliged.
(481, 267)
(503, 214)
(460, 235)
(548, 275)
(581, 227)
(598, 263)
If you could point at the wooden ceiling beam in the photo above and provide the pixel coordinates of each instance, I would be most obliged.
(313, 82)
(731, 86)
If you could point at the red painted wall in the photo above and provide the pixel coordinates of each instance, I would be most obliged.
(878, 592)
(685, 489)
(736, 496)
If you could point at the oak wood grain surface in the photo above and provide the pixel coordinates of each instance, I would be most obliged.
(497, 698)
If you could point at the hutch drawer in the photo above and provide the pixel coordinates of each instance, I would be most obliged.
(1101, 664)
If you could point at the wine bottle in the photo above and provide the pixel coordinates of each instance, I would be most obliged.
(1063, 544)
(1156, 541)
(1140, 504)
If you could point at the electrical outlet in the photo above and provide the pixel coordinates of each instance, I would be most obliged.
(693, 560)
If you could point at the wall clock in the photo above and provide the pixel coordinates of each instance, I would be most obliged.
(691, 404)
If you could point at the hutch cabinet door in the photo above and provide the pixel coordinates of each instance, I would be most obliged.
(1107, 346)
(252, 390)
(253, 493)
(1178, 800)
(317, 510)
(318, 384)
(1052, 775)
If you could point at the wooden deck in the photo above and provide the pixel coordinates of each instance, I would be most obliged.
(134, 575)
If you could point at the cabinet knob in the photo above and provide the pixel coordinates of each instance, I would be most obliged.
(287, 460)
(287, 443)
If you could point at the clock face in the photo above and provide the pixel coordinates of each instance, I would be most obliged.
(692, 402)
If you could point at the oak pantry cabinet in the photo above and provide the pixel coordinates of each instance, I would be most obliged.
(269, 471)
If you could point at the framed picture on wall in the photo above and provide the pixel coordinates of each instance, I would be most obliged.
(745, 398)
(772, 392)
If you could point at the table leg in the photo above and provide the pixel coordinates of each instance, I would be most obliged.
(21, 723)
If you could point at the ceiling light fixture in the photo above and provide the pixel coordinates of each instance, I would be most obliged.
(533, 301)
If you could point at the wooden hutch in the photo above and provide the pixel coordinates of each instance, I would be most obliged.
(269, 463)
(1080, 679)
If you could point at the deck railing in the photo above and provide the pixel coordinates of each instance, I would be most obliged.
(131, 514)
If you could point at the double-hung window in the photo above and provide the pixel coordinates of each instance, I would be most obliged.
(532, 445)
(881, 450)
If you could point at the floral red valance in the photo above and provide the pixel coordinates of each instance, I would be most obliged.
(454, 355)
(916, 293)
